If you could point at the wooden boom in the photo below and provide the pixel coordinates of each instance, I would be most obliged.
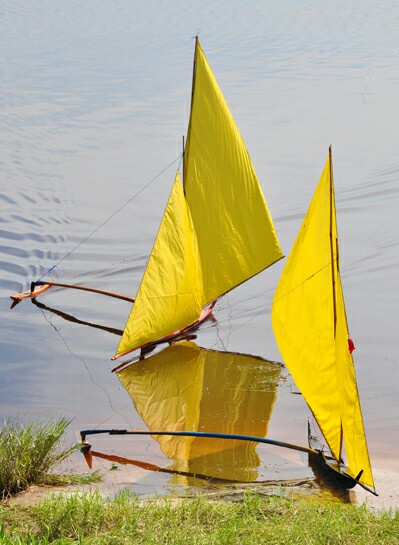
(39, 287)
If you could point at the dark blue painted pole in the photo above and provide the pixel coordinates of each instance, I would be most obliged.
(253, 438)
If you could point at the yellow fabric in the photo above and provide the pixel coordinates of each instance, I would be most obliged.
(236, 236)
(166, 389)
(185, 387)
(356, 450)
(313, 337)
(169, 296)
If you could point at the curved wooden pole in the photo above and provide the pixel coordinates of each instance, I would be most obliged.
(86, 288)
(39, 287)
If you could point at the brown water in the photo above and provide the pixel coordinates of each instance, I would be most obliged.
(94, 102)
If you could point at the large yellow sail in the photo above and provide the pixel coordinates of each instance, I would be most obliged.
(170, 292)
(310, 326)
(235, 232)
(213, 237)
(188, 388)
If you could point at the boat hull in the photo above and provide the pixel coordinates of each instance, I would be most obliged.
(206, 313)
(330, 472)
(176, 335)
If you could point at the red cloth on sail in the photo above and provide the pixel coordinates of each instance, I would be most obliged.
(351, 345)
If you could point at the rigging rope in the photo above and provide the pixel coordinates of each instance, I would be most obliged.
(110, 217)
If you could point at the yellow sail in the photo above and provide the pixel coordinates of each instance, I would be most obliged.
(188, 388)
(235, 232)
(356, 450)
(310, 326)
(213, 237)
(169, 296)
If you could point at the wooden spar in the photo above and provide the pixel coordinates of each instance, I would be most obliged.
(85, 433)
(86, 288)
(184, 143)
(332, 244)
(191, 110)
(41, 286)
(331, 239)
(324, 459)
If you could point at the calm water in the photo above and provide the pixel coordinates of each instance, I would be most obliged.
(94, 102)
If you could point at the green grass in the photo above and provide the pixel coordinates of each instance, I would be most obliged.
(29, 453)
(90, 519)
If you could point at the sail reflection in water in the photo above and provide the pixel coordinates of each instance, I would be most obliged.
(188, 388)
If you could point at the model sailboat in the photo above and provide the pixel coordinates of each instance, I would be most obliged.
(310, 326)
(216, 231)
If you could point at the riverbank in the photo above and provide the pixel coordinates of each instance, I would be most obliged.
(89, 518)
(387, 484)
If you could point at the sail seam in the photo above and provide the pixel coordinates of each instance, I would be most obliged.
(302, 283)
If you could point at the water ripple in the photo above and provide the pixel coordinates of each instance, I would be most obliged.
(7, 199)
(93, 94)
(381, 186)
(24, 219)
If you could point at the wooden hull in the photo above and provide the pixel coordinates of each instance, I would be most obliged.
(330, 472)
(328, 469)
(206, 313)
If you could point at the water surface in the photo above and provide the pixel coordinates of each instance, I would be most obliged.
(95, 99)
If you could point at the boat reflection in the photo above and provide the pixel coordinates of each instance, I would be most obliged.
(188, 388)
(73, 319)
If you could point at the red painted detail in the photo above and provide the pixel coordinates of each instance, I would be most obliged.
(351, 345)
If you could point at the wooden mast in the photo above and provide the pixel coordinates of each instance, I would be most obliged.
(331, 240)
(191, 109)
(332, 244)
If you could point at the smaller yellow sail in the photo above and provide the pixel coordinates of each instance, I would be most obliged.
(356, 450)
(309, 323)
(170, 293)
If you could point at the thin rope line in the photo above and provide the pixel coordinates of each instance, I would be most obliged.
(109, 219)
(180, 162)
(269, 307)
(82, 360)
